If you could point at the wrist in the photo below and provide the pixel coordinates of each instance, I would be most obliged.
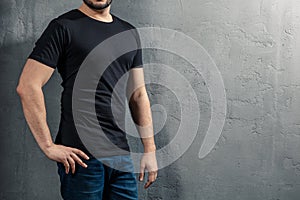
(149, 148)
(45, 147)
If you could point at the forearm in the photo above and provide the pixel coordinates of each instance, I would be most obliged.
(141, 114)
(33, 104)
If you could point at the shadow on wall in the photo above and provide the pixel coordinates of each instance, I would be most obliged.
(26, 172)
(25, 169)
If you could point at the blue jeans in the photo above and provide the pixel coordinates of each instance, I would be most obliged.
(109, 178)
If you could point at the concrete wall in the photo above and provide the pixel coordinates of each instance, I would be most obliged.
(256, 46)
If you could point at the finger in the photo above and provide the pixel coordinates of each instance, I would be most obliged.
(72, 163)
(67, 166)
(151, 179)
(141, 177)
(151, 176)
(155, 175)
(142, 173)
(78, 160)
(81, 153)
(148, 184)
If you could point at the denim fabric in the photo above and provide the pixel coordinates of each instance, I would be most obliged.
(109, 178)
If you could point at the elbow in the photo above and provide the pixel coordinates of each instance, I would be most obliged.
(20, 90)
(25, 89)
(137, 97)
(139, 101)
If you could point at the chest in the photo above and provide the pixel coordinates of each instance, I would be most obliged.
(106, 43)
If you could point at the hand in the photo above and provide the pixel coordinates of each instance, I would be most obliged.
(149, 163)
(66, 155)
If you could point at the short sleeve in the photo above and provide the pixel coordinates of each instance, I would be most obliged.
(138, 58)
(50, 46)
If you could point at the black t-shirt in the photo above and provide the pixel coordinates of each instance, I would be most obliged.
(64, 44)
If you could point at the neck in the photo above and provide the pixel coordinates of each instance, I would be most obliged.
(101, 15)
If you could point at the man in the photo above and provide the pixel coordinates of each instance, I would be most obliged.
(65, 43)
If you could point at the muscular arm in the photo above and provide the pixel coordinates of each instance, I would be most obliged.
(140, 109)
(33, 77)
(139, 105)
(29, 88)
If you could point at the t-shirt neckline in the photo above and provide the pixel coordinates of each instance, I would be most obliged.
(101, 22)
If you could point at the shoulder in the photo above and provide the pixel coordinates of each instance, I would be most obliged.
(125, 23)
(59, 26)
(65, 18)
(69, 15)
(129, 26)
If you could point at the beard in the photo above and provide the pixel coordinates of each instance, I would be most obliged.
(95, 6)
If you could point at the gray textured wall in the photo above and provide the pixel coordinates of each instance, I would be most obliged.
(255, 44)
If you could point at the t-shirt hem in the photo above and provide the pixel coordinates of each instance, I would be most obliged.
(110, 154)
(105, 153)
